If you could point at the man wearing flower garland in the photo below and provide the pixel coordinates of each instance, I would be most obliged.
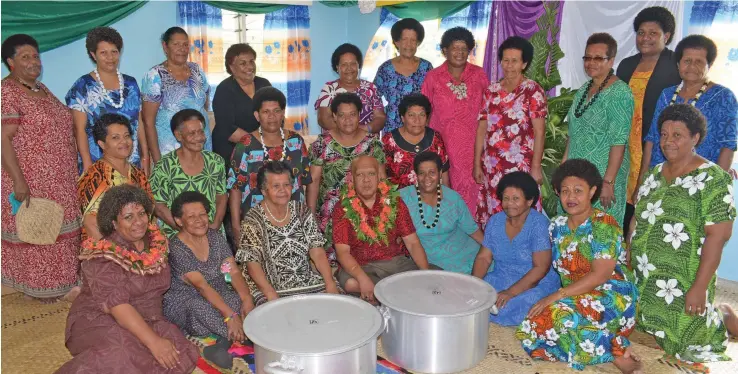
(369, 230)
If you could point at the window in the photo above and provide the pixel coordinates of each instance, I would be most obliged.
(241, 28)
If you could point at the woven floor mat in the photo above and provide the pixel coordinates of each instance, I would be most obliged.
(33, 342)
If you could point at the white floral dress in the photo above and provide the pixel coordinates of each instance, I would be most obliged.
(666, 248)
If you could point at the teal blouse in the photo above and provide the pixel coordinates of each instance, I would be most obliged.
(447, 245)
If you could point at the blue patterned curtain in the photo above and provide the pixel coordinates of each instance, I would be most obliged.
(204, 25)
(285, 61)
(718, 20)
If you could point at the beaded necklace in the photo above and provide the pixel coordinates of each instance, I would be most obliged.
(696, 97)
(438, 207)
(34, 89)
(579, 111)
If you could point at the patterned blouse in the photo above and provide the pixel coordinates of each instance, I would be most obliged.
(168, 180)
(367, 91)
(248, 157)
(159, 86)
(393, 86)
(282, 252)
(399, 166)
(335, 160)
(86, 96)
(99, 178)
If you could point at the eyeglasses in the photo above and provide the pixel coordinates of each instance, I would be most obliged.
(597, 59)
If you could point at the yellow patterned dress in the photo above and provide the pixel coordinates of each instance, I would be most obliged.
(637, 84)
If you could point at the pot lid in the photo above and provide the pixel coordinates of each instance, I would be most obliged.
(318, 324)
(435, 293)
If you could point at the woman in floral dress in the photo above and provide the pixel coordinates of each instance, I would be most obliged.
(455, 90)
(512, 128)
(346, 61)
(169, 87)
(411, 139)
(589, 319)
(402, 75)
(684, 216)
(38, 160)
(330, 160)
(95, 94)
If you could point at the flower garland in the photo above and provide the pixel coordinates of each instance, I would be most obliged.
(357, 215)
(149, 261)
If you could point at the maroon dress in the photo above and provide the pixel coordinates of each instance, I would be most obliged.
(98, 343)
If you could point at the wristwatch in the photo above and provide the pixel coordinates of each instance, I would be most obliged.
(610, 182)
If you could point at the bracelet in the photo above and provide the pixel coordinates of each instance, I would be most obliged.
(232, 316)
(563, 293)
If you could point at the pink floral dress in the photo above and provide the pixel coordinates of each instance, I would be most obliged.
(455, 117)
(509, 140)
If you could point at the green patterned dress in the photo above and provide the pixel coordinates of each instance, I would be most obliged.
(603, 125)
(666, 248)
(335, 160)
(168, 180)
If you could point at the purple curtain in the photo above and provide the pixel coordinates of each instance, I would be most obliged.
(509, 18)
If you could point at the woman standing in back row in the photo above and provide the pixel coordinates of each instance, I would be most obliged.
(455, 90)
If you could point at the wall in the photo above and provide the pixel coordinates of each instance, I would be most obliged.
(141, 48)
(329, 28)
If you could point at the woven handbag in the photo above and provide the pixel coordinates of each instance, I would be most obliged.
(40, 222)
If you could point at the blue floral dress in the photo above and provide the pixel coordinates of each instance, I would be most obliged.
(513, 259)
(591, 328)
(393, 86)
(447, 245)
(158, 86)
(86, 96)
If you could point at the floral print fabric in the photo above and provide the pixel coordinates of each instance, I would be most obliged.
(666, 249)
(399, 165)
(367, 91)
(591, 328)
(393, 86)
(508, 145)
(86, 96)
(158, 86)
(335, 160)
(248, 157)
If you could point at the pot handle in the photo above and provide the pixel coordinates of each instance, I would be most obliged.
(285, 365)
(384, 310)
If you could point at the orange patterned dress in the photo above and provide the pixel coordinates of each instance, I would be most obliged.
(99, 178)
(637, 84)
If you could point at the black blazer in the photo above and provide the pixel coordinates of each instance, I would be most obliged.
(665, 74)
(233, 109)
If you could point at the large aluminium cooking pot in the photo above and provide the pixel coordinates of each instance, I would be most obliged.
(315, 334)
(436, 321)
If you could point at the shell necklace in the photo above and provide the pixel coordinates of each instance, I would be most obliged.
(37, 88)
(263, 146)
(696, 97)
(106, 92)
(438, 207)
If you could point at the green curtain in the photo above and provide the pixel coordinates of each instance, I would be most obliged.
(241, 7)
(56, 23)
(427, 10)
(420, 10)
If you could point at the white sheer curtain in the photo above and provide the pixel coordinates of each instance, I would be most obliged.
(584, 18)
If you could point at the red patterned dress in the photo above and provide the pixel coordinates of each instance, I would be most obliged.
(47, 156)
(401, 155)
(455, 118)
(509, 140)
